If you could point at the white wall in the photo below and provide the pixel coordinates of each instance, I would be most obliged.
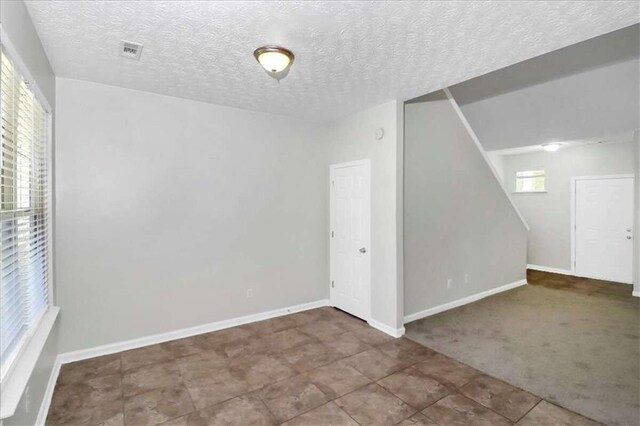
(457, 218)
(350, 139)
(548, 214)
(168, 210)
(16, 24)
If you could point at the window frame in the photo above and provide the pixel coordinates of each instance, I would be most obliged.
(23, 360)
(538, 173)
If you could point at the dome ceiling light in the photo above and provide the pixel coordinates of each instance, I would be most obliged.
(551, 147)
(275, 60)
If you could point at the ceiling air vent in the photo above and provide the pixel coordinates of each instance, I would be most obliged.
(130, 50)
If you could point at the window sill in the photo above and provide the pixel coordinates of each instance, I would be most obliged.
(16, 382)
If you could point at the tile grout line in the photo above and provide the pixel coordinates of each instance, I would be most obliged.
(324, 365)
(122, 390)
(528, 411)
(571, 411)
(459, 391)
(305, 373)
(256, 391)
(372, 381)
(344, 411)
(267, 407)
(193, 403)
(421, 373)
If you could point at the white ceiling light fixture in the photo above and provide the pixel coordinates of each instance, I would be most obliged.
(275, 60)
(551, 147)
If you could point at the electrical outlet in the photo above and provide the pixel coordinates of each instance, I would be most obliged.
(249, 293)
(466, 278)
(449, 282)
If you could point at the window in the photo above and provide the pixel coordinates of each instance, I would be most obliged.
(530, 181)
(24, 214)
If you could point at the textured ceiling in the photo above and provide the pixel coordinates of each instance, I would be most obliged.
(349, 55)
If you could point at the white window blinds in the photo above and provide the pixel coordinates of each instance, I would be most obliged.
(23, 213)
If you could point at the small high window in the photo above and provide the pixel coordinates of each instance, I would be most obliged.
(530, 181)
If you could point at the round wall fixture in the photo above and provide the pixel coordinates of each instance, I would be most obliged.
(379, 133)
(275, 60)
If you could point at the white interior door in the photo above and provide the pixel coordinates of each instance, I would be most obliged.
(350, 234)
(604, 228)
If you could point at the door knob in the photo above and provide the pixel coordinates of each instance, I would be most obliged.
(363, 250)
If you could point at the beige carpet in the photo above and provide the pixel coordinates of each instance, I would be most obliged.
(559, 339)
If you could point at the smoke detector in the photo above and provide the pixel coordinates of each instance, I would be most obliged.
(130, 49)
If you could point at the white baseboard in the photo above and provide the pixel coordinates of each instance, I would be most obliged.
(636, 294)
(185, 332)
(549, 269)
(48, 393)
(393, 332)
(567, 272)
(463, 301)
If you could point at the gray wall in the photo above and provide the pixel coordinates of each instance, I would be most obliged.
(587, 90)
(168, 210)
(457, 219)
(18, 26)
(352, 138)
(549, 214)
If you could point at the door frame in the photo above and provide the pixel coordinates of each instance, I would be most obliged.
(574, 180)
(332, 168)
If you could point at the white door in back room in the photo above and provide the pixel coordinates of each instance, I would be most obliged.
(350, 237)
(603, 231)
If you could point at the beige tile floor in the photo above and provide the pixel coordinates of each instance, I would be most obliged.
(318, 367)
